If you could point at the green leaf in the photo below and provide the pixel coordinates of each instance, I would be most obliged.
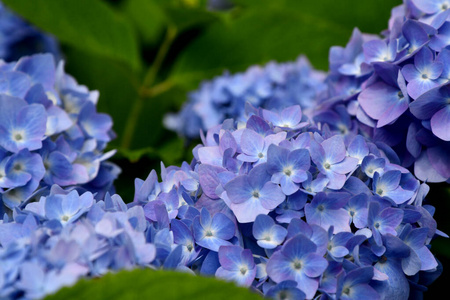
(91, 25)
(171, 152)
(185, 18)
(150, 284)
(148, 17)
(276, 30)
(149, 129)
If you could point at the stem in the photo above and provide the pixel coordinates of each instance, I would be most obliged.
(150, 77)
(146, 88)
(158, 89)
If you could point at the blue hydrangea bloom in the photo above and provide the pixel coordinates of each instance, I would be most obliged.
(18, 38)
(390, 87)
(236, 264)
(273, 86)
(397, 87)
(224, 216)
(50, 133)
(298, 261)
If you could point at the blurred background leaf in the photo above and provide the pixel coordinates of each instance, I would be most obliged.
(88, 25)
(278, 30)
(150, 284)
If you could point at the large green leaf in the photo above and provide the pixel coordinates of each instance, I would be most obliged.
(90, 25)
(278, 30)
(185, 14)
(150, 284)
(148, 17)
(370, 16)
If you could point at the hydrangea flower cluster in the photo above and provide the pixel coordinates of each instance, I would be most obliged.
(277, 205)
(64, 236)
(50, 133)
(395, 88)
(271, 86)
(18, 38)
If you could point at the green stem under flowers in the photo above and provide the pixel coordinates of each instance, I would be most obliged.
(158, 89)
(147, 90)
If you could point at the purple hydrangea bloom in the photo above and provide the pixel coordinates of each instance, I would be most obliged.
(231, 220)
(288, 168)
(327, 210)
(298, 261)
(236, 264)
(392, 94)
(434, 106)
(423, 74)
(331, 160)
(253, 194)
(383, 221)
(355, 284)
(397, 90)
(285, 290)
(211, 233)
(268, 234)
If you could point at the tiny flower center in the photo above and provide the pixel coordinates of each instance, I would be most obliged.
(297, 265)
(330, 247)
(190, 247)
(346, 291)
(377, 225)
(383, 259)
(209, 233)
(444, 6)
(255, 194)
(287, 171)
(327, 166)
(17, 167)
(267, 238)
(65, 218)
(424, 76)
(283, 295)
(352, 213)
(18, 137)
(400, 94)
(380, 192)
(320, 207)
(243, 270)
(260, 155)
(343, 129)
